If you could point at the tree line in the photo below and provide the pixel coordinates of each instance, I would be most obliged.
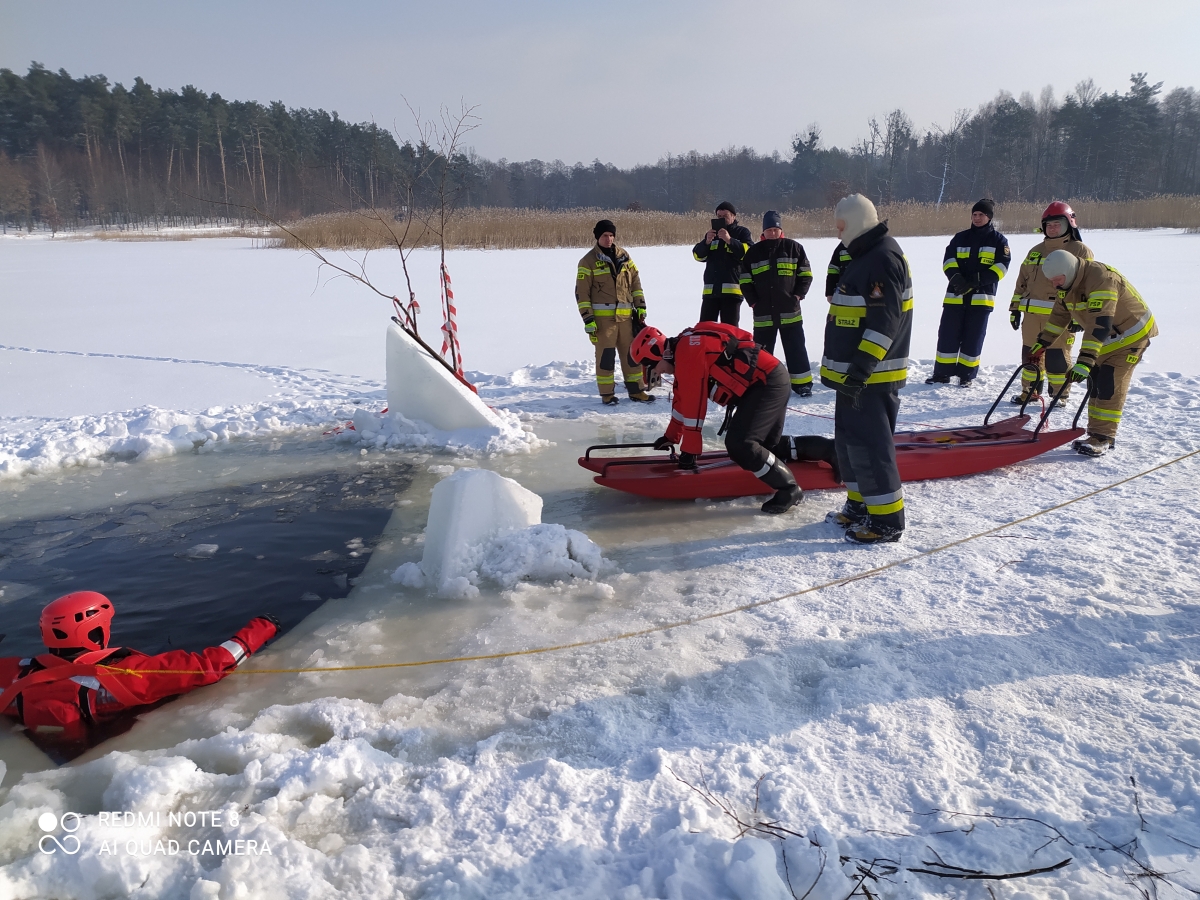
(81, 152)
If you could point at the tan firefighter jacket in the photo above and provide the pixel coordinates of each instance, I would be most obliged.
(608, 284)
(1109, 308)
(1033, 292)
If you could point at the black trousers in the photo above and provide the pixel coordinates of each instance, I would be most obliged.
(725, 308)
(866, 454)
(757, 422)
(960, 340)
(794, 350)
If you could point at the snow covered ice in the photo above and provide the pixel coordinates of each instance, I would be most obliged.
(1002, 705)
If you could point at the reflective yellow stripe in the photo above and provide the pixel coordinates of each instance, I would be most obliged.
(952, 300)
(606, 379)
(946, 360)
(949, 264)
(806, 378)
(872, 348)
(584, 273)
(1131, 337)
(854, 496)
(791, 319)
(906, 305)
(1104, 415)
(886, 509)
(1055, 330)
(1000, 269)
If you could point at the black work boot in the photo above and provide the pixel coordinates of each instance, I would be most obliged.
(873, 533)
(787, 492)
(802, 390)
(1028, 394)
(1094, 445)
(851, 515)
(938, 379)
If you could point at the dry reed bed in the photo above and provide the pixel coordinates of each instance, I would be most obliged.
(511, 229)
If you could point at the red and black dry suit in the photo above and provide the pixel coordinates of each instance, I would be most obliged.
(55, 696)
(866, 343)
(719, 362)
(722, 274)
(776, 276)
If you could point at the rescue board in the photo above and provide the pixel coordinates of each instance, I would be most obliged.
(920, 455)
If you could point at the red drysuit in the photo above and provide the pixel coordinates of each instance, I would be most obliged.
(49, 694)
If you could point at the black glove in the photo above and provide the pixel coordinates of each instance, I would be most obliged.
(270, 618)
(637, 320)
(958, 284)
(687, 461)
(663, 443)
(852, 391)
(1074, 326)
(1015, 318)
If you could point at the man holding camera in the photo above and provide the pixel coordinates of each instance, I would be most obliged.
(722, 252)
(608, 293)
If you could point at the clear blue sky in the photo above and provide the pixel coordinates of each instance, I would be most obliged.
(622, 81)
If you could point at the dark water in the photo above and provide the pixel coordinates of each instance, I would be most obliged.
(284, 547)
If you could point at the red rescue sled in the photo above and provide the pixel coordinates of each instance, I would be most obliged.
(940, 453)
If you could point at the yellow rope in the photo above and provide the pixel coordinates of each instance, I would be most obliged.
(625, 635)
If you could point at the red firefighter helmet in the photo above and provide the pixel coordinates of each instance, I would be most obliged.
(649, 346)
(1058, 208)
(76, 621)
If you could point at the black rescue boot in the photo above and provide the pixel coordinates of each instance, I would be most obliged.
(787, 492)
(802, 390)
(938, 379)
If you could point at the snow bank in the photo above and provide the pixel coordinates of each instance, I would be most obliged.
(34, 446)
(483, 525)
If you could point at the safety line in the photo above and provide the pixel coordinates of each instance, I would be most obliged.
(657, 629)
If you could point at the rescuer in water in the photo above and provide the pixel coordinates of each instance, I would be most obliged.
(81, 682)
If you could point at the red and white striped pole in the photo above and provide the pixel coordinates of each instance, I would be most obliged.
(450, 327)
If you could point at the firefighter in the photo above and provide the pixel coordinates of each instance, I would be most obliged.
(775, 277)
(866, 361)
(975, 261)
(722, 252)
(1034, 296)
(82, 682)
(608, 292)
(722, 363)
(1117, 328)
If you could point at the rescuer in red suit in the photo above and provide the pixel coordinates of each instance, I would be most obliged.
(719, 362)
(82, 682)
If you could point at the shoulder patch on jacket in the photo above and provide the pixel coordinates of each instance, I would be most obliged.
(877, 291)
(1007, 252)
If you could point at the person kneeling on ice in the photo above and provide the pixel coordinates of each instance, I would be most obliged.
(721, 362)
(82, 681)
(1117, 328)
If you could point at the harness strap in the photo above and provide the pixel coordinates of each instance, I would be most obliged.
(60, 670)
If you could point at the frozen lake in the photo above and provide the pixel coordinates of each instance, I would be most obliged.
(1025, 675)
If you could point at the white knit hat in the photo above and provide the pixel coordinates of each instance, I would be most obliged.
(1060, 262)
(859, 215)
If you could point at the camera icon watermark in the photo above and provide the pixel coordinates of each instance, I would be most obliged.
(49, 843)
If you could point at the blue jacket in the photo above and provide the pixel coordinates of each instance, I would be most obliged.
(981, 256)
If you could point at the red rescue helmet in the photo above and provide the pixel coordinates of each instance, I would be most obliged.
(649, 346)
(78, 621)
(1056, 209)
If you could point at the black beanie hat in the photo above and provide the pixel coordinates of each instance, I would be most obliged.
(602, 226)
(985, 206)
(772, 219)
(725, 204)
